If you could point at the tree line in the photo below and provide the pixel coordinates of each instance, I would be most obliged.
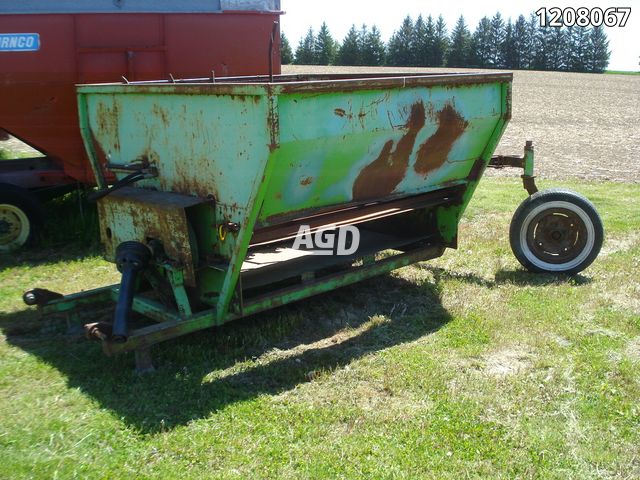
(495, 43)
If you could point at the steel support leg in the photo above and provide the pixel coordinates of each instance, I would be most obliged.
(144, 363)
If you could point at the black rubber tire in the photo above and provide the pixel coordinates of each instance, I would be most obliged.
(27, 206)
(556, 231)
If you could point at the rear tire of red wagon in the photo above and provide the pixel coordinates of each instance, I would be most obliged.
(20, 217)
(556, 231)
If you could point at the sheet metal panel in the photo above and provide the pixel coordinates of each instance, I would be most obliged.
(329, 143)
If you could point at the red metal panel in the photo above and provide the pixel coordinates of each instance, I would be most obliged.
(230, 44)
(119, 30)
(132, 45)
(37, 94)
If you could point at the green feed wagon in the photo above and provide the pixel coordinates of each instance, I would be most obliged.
(238, 195)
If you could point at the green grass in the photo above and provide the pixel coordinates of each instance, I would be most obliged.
(621, 72)
(6, 154)
(464, 367)
(71, 223)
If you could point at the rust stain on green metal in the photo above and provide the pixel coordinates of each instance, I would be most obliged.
(434, 152)
(381, 177)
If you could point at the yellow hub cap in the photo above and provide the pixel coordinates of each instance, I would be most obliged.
(14, 227)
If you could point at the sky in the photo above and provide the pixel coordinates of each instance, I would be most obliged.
(624, 42)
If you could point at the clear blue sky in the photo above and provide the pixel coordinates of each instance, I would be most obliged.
(388, 15)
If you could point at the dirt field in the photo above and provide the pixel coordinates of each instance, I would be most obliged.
(583, 126)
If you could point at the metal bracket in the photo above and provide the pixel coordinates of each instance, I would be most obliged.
(525, 162)
(176, 279)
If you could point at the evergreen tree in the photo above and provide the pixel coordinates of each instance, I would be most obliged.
(495, 40)
(349, 53)
(494, 44)
(533, 44)
(460, 45)
(558, 49)
(420, 43)
(441, 43)
(373, 49)
(305, 53)
(507, 49)
(362, 35)
(578, 49)
(400, 49)
(325, 48)
(520, 44)
(482, 44)
(544, 48)
(430, 42)
(286, 54)
(599, 54)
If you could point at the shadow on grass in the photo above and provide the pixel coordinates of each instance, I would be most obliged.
(525, 278)
(520, 278)
(40, 256)
(206, 371)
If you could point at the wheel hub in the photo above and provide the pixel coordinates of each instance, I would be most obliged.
(557, 235)
(9, 226)
(14, 226)
(4, 227)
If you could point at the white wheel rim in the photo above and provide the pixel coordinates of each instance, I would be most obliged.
(14, 227)
(557, 267)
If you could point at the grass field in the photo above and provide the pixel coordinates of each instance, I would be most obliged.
(12, 148)
(621, 72)
(6, 154)
(9, 154)
(464, 367)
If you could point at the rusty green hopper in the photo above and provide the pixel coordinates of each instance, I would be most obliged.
(234, 167)
(217, 177)
(231, 193)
